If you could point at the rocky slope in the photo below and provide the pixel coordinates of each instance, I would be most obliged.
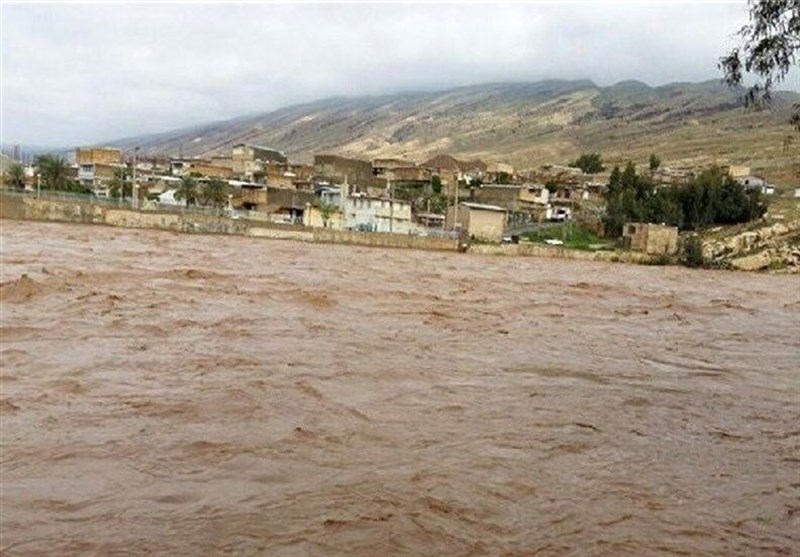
(525, 124)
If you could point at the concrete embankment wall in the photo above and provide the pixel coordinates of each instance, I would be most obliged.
(29, 208)
(377, 239)
(535, 250)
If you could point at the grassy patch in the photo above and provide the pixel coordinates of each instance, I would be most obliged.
(574, 236)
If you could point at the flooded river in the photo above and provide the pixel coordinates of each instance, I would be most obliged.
(168, 394)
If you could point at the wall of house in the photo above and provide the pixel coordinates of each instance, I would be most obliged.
(336, 168)
(502, 196)
(98, 156)
(650, 238)
(662, 240)
(381, 215)
(486, 225)
(313, 217)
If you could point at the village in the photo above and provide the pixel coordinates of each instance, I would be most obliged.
(472, 200)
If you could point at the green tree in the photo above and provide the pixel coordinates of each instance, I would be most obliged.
(712, 197)
(436, 184)
(503, 177)
(54, 173)
(692, 249)
(215, 193)
(589, 163)
(655, 162)
(769, 45)
(15, 176)
(187, 190)
(120, 185)
(326, 211)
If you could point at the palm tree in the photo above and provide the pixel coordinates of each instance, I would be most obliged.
(187, 190)
(120, 185)
(215, 193)
(15, 176)
(54, 173)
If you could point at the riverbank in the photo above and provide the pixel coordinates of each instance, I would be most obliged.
(16, 207)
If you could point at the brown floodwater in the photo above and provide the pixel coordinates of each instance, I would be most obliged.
(167, 394)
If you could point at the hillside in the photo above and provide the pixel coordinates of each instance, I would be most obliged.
(526, 124)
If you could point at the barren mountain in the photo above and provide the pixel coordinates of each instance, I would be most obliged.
(526, 124)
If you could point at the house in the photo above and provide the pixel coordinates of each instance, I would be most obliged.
(530, 197)
(655, 239)
(97, 176)
(480, 221)
(756, 183)
(380, 166)
(338, 169)
(248, 159)
(209, 170)
(98, 155)
(327, 216)
(377, 214)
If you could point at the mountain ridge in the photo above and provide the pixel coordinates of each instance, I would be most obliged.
(524, 123)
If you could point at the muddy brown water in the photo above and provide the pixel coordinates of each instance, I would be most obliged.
(168, 394)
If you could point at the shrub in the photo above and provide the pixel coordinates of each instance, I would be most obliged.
(692, 255)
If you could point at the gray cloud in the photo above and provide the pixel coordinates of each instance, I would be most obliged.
(86, 73)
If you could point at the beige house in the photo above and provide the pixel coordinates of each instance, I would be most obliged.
(248, 159)
(98, 155)
(655, 239)
(317, 218)
(482, 222)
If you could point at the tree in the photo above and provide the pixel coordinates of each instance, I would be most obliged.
(769, 46)
(655, 162)
(54, 173)
(692, 255)
(120, 185)
(712, 197)
(589, 163)
(326, 211)
(503, 177)
(215, 193)
(187, 190)
(15, 176)
(436, 184)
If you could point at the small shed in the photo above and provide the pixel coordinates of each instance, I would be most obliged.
(655, 239)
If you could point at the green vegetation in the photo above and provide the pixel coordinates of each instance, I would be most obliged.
(326, 211)
(573, 236)
(54, 174)
(15, 176)
(436, 184)
(655, 162)
(589, 163)
(120, 185)
(187, 190)
(713, 197)
(769, 49)
(503, 178)
(215, 193)
(692, 255)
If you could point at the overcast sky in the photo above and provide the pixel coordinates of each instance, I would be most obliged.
(87, 73)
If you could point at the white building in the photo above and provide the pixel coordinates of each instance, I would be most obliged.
(375, 214)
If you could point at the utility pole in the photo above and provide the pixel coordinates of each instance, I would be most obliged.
(455, 202)
(38, 185)
(391, 207)
(134, 185)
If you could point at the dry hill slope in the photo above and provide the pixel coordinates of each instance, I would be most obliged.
(523, 123)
